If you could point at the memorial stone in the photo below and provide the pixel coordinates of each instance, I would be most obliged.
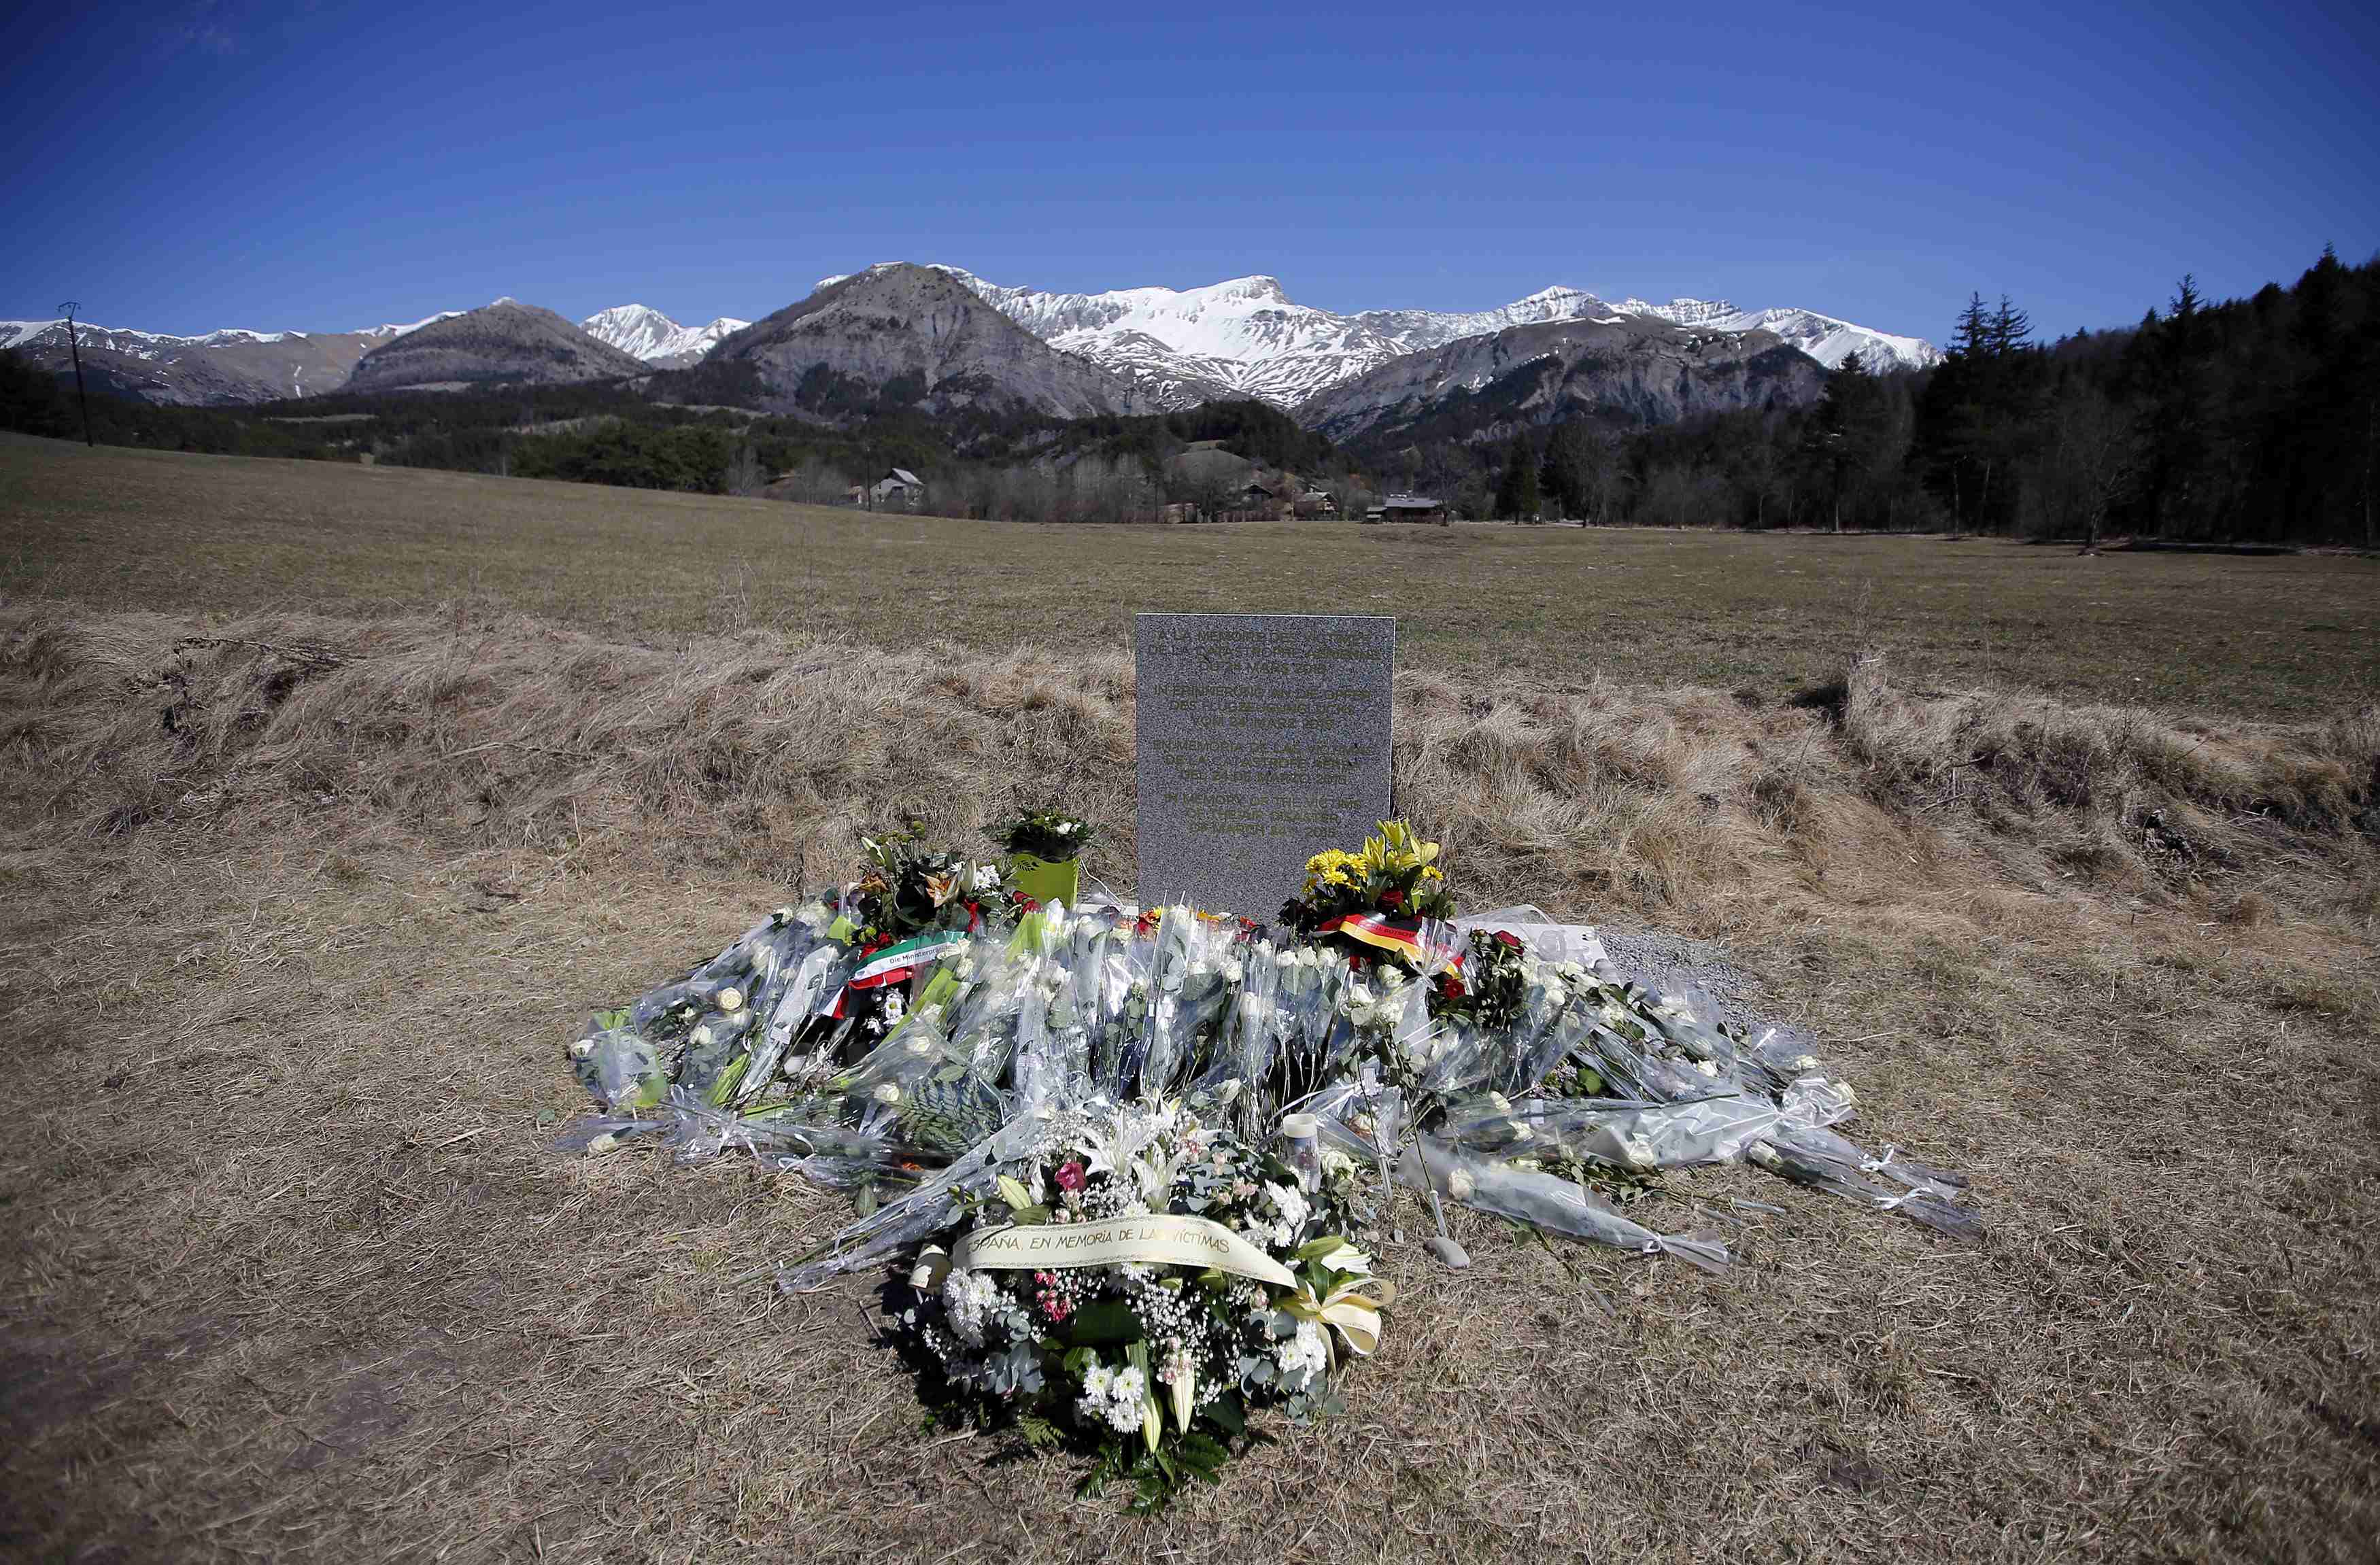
(1261, 740)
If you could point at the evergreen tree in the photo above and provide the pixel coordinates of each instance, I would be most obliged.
(1516, 491)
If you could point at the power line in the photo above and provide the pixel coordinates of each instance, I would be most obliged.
(74, 344)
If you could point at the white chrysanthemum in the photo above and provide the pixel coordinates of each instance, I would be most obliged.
(969, 1298)
(1291, 1203)
(1125, 1399)
(1302, 1355)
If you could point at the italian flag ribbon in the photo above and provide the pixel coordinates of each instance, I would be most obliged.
(895, 963)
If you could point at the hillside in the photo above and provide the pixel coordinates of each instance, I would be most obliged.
(506, 342)
(1623, 372)
(901, 337)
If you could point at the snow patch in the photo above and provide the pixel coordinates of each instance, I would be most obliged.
(644, 333)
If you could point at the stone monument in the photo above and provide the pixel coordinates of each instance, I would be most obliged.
(1261, 740)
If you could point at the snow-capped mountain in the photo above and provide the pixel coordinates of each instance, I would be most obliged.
(1247, 337)
(1823, 337)
(642, 331)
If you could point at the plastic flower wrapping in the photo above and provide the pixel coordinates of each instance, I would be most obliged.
(1125, 1159)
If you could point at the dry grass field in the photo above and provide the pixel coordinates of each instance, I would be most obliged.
(2257, 636)
(338, 797)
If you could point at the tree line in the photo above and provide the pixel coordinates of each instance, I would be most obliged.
(2252, 421)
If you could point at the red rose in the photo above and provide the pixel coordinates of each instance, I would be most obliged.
(1506, 938)
(1392, 899)
(1451, 987)
(1070, 1176)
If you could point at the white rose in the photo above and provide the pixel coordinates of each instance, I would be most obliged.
(731, 998)
(886, 1093)
(1460, 1184)
(601, 1145)
(1638, 1153)
(582, 1047)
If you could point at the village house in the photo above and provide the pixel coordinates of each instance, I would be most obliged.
(898, 490)
(1317, 503)
(1409, 508)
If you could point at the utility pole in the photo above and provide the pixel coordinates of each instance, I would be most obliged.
(74, 345)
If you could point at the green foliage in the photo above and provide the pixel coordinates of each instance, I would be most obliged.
(686, 456)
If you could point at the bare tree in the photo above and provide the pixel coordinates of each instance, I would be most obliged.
(743, 475)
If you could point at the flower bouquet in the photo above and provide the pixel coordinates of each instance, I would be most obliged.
(1376, 901)
(1134, 1284)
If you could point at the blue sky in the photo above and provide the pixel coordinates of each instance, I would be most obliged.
(330, 165)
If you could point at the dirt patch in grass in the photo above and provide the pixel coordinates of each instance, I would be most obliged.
(295, 911)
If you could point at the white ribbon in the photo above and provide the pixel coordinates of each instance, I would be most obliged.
(1166, 1240)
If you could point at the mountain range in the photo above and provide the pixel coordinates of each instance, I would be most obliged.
(1630, 369)
(231, 366)
(941, 340)
(1247, 337)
